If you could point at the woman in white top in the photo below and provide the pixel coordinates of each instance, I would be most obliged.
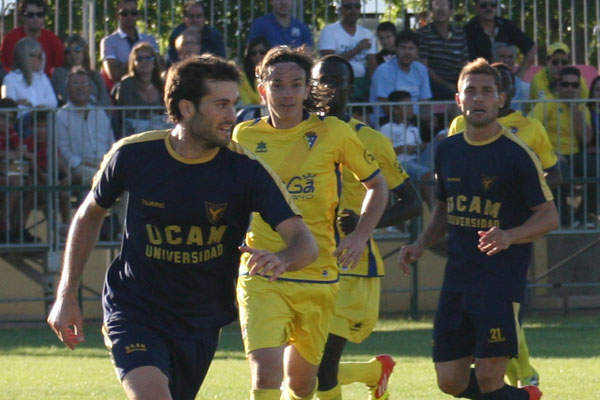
(26, 83)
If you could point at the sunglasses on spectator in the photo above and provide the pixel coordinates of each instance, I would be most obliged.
(75, 49)
(350, 6)
(253, 53)
(31, 14)
(561, 62)
(36, 55)
(144, 58)
(488, 5)
(125, 13)
(574, 85)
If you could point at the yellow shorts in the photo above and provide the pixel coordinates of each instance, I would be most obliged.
(274, 314)
(357, 308)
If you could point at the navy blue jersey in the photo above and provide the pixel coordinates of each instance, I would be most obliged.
(185, 221)
(486, 184)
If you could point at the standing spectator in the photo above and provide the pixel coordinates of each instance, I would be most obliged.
(32, 13)
(115, 48)
(84, 136)
(77, 55)
(194, 15)
(507, 54)
(543, 83)
(355, 43)
(401, 73)
(280, 28)
(443, 49)
(486, 28)
(142, 87)
(386, 34)
(26, 83)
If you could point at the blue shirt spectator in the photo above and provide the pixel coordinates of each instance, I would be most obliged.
(280, 28)
(194, 15)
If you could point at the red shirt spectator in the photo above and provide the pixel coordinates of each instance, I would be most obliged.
(32, 13)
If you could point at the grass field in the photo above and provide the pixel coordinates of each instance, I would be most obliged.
(34, 365)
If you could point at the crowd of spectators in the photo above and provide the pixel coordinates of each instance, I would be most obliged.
(389, 66)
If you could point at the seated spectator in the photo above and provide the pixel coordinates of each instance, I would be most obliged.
(194, 15)
(569, 128)
(401, 73)
(594, 108)
(12, 173)
(486, 28)
(280, 28)
(142, 87)
(115, 48)
(507, 54)
(32, 14)
(36, 153)
(188, 43)
(443, 49)
(355, 43)
(77, 55)
(26, 83)
(543, 83)
(409, 147)
(83, 136)
(386, 34)
(255, 52)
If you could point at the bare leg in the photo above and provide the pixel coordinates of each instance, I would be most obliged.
(146, 383)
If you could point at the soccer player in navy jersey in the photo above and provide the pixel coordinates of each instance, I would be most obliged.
(191, 193)
(492, 201)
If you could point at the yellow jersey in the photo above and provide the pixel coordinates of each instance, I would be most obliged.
(540, 86)
(353, 192)
(528, 129)
(308, 158)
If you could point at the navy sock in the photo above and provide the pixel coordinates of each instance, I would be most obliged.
(501, 394)
(472, 391)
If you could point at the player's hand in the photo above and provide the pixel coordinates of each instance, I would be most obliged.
(408, 255)
(66, 321)
(493, 241)
(263, 262)
(350, 250)
(348, 220)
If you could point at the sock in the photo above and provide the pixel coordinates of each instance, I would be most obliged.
(265, 394)
(525, 369)
(331, 394)
(501, 394)
(288, 394)
(366, 372)
(516, 393)
(472, 391)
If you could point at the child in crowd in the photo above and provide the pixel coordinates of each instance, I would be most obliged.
(386, 34)
(413, 154)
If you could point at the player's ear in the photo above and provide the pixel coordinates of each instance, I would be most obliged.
(501, 99)
(261, 89)
(457, 99)
(186, 108)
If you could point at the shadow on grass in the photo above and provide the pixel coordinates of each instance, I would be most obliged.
(551, 336)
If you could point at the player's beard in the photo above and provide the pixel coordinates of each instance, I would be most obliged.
(491, 116)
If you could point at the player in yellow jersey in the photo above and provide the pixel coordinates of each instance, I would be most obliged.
(357, 304)
(285, 323)
(533, 133)
(529, 130)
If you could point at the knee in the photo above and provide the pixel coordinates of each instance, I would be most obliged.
(451, 386)
(265, 379)
(302, 386)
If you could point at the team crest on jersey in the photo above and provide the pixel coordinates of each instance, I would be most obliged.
(369, 158)
(487, 182)
(398, 166)
(310, 138)
(356, 327)
(261, 147)
(214, 212)
(514, 129)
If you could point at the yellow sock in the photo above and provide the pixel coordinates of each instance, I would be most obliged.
(265, 394)
(525, 369)
(288, 394)
(331, 394)
(366, 372)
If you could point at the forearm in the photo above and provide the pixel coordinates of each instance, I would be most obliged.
(372, 209)
(301, 248)
(436, 228)
(528, 61)
(543, 220)
(408, 206)
(80, 243)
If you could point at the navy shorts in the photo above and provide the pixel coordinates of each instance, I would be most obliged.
(184, 361)
(474, 325)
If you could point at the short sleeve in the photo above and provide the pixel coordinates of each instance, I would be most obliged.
(327, 39)
(354, 156)
(110, 180)
(531, 181)
(440, 192)
(107, 49)
(389, 165)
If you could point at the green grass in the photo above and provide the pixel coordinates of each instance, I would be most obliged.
(34, 365)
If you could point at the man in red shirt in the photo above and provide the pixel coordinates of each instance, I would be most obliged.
(32, 13)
